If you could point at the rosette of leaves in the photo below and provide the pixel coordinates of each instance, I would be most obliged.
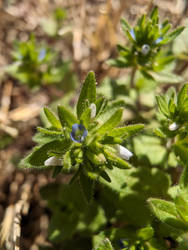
(146, 40)
(36, 65)
(173, 109)
(86, 144)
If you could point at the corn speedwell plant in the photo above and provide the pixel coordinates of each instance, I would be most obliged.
(139, 184)
(174, 120)
(146, 40)
(36, 65)
(86, 144)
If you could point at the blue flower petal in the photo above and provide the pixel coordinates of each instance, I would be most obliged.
(132, 34)
(123, 243)
(78, 133)
(158, 40)
(42, 54)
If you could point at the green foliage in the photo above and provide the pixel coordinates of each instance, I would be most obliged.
(84, 145)
(146, 40)
(105, 245)
(174, 213)
(128, 239)
(174, 107)
(79, 218)
(120, 191)
(174, 120)
(36, 65)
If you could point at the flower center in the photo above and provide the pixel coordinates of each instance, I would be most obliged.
(78, 133)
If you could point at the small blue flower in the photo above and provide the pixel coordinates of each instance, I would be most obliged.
(158, 40)
(123, 243)
(132, 34)
(79, 133)
(42, 54)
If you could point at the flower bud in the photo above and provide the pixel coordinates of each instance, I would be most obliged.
(93, 110)
(145, 49)
(53, 161)
(124, 152)
(173, 126)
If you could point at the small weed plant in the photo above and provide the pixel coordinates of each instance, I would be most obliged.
(124, 152)
(35, 65)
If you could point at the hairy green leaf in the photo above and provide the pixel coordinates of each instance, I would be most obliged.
(52, 118)
(66, 117)
(100, 105)
(163, 107)
(154, 15)
(128, 130)
(87, 185)
(125, 24)
(175, 33)
(112, 122)
(181, 203)
(88, 94)
(86, 117)
(182, 96)
(49, 131)
(105, 245)
(166, 212)
(116, 161)
(40, 154)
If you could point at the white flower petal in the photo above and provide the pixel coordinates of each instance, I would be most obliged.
(93, 110)
(145, 49)
(124, 152)
(53, 161)
(173, 126)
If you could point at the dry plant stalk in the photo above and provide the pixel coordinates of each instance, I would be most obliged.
(11, 226)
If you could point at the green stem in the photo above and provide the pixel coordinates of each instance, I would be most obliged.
(133, 73)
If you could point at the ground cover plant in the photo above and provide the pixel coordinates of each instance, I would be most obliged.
(115, 152)
(37, 65)
(90, 147)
